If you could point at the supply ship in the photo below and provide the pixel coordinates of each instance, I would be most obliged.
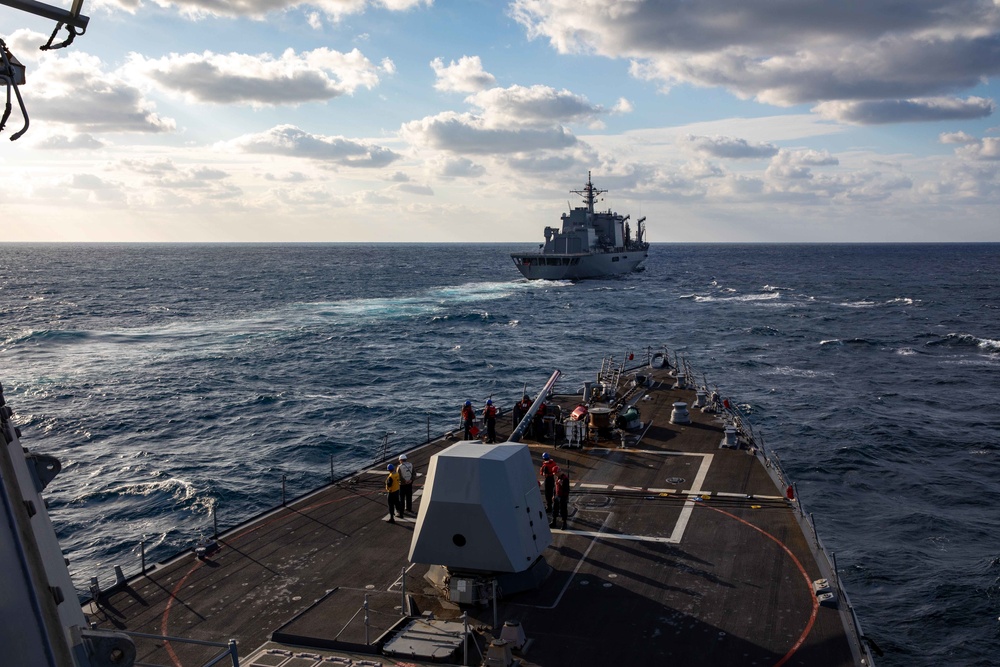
(591, 244)
(685, 543)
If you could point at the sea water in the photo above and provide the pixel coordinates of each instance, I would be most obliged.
(174, 381)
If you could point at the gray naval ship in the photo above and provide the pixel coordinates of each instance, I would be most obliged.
(591, 244)
(683, 543)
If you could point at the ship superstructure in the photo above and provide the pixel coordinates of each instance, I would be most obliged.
(590, 244)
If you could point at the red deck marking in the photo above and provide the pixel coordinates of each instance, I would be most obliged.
(815, 602)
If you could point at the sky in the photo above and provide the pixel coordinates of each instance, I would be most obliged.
(472, 120)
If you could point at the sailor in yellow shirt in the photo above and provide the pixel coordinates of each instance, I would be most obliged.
(392, 488)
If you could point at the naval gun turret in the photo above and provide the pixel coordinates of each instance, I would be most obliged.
(482, 520)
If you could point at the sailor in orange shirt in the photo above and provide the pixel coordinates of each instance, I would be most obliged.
(548, 471)
(490, 417)
(468, 417)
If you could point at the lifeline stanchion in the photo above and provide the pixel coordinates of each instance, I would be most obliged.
(367, 642)
(402, 586)
(465, 636)
(283, 477)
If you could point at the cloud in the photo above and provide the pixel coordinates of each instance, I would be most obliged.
(987, 148)
(414, 189)
(290, 141)
(796, 165)
(906, 111)
(465, 76)
(98, 189)
(77, 142)
(533, 106)
(459, 167)
(259, 80)
(334, 9)
(810, 51)
(469, 134)
(730, 147)
(74, 89)
(956, 138)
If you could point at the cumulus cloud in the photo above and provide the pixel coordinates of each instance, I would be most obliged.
(334, 9)
(987, 148)
(797, 164)
(729, 147)
(98, 189)
(459, 167)
(74, 89)
(259, 80)
(533, 106)
(469, 134)
(879, 112)
(414, 189)
(810, 51)
(465, 76)
(77, 142)
(956, 138)
(290, 141)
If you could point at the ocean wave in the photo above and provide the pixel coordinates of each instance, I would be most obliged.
(179, 491)
(749, 298)
(763, 331)
(966, 340)
(860, 342)
(796, 372)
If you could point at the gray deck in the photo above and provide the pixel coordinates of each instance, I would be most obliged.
(647, 572)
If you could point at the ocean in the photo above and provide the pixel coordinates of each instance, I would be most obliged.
(174, 380)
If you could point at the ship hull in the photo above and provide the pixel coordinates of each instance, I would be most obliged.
(537, 266)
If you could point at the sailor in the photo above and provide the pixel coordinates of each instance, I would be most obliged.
(538, 425)
(548, 471)
(562, 500)
(392, 490)
(468, 416)
(405, 471)
(490, 418)
(520, 409)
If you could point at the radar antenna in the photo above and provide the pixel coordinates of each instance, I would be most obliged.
(589, 193)
(12, 72)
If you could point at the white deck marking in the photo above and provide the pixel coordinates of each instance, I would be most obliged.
(693, 493)
(613, 536)
(579, 563)
(627, 488)
(593, 486)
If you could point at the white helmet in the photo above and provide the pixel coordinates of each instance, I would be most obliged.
(402, 457)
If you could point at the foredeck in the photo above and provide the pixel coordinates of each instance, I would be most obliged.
(676, 551)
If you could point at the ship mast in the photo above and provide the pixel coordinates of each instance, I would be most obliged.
(589, 194)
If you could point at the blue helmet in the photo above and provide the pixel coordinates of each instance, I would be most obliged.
(390, 467)
(489, 401)
(545, 456)
(468, 402)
